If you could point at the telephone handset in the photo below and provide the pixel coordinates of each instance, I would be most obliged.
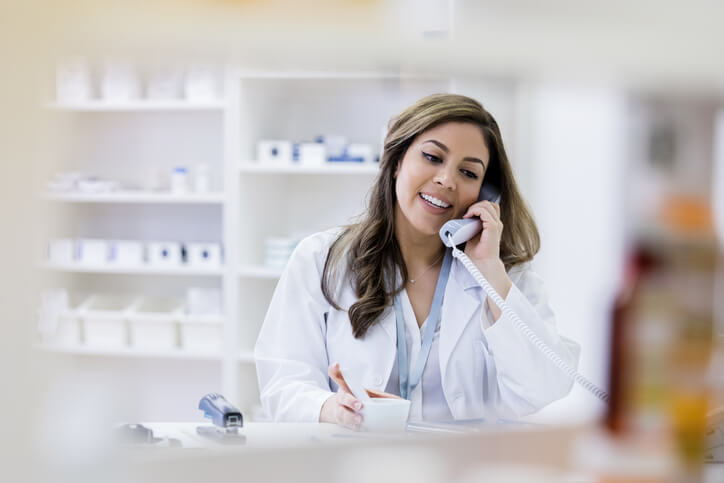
(456, 232)
(464, 229)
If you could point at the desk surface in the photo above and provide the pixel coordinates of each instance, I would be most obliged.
(309, 435)
(265, 435)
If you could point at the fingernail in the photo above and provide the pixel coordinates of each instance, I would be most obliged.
(358, 405)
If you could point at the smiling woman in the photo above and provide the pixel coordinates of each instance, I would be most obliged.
(384, 294)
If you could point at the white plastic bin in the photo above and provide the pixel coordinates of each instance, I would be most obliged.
(104, 320)
(60, 322)
(153, 322)
(202, 334)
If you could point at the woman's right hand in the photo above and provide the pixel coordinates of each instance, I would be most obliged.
(342, 408)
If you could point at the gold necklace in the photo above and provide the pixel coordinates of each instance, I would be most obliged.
(412, 281)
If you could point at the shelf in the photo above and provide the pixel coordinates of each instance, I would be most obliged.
(331, 168)
(128, 352)
(260, 271)
(136, 197)
(138, 105)
(332, 75)
(245, 357)
(78, 268)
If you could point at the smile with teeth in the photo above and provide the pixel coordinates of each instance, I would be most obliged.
(434, 201)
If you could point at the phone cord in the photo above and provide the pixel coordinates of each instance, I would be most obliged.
(560, 363)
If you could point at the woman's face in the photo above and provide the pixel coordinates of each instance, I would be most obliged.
(440, 176)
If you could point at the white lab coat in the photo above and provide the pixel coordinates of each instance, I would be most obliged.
(488, 370)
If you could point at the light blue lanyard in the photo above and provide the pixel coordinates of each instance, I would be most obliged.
(408, 382)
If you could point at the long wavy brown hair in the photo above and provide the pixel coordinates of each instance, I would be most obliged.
(368, 249)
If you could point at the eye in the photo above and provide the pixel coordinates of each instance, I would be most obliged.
(431, 157)
(469, 173)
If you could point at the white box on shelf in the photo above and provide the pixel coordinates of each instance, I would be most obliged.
(164, 254)
(202, 181)
(74, 81)
(92, 251)
(165, 83)
(200, 84)
(274, 151)
(203, 301)
(126, 253)
(202, 334)
(61, 251)
(312, 154)
(104, 320)
(153, 322)
(203, 255)
(360, 152)
(119, 81)
(334, 145)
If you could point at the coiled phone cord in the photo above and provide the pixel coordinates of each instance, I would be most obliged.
(520, 325)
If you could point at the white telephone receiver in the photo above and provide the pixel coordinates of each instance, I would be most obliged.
(456, 232)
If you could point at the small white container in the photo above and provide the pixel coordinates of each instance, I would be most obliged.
(385, 415)
(74, 81)
(153, 323)
(61, 251)
(104, 321)
(202, 181)
(164, 254)
(179, 180)
(274, 151)
(92, 251)
(203, 255)
(202, 334)
(126, 253)
(312, 154)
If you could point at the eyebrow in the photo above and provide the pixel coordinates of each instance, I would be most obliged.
(445, 148)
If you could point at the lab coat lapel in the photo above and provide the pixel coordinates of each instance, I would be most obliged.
(460, 303)
(387, 321)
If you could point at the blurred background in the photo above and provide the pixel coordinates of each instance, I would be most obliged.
(163, 158)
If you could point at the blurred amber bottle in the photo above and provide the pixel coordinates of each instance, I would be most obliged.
(663, 337)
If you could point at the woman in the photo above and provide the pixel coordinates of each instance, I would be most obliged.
(346, 294)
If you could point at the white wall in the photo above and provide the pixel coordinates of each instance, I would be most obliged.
(576, 149)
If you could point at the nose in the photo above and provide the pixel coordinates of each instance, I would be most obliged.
(444, 177)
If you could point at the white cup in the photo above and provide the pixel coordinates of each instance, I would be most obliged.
(385, 414)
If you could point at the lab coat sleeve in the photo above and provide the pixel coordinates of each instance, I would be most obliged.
(526, 379)
(290, 352)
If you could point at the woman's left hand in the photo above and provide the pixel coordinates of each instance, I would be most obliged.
(485, 247)
(484, 250)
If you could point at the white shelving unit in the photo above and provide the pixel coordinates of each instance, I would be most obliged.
(140, 197)
(331, 169)
(138, 105)
(142, 270)
(256, 201)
